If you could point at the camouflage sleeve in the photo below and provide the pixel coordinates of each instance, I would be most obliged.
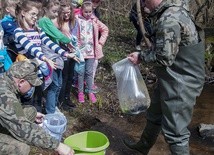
(168, 37)
(21, 128)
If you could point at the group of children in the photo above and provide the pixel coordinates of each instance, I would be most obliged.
(65, 41)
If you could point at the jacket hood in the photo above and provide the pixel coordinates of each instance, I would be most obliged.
(8, 18)
(82, 17)
(170, 3)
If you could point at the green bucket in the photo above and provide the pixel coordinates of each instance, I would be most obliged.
(88, 143)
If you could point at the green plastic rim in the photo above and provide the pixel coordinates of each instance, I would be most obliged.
(88, 141)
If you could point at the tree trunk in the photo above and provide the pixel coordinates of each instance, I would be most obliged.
(148, 43)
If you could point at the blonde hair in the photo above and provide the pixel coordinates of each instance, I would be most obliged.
(8, 3)
(87, 4)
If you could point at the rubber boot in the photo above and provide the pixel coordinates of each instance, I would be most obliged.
(147, 140)
(179, 150)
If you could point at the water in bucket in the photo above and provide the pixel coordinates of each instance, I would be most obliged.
(55, 125)
(88, 143)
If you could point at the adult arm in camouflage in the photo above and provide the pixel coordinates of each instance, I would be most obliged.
(169, 28)
(17, 121)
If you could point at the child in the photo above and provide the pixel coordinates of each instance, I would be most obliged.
(69, 26)
(90, 47)
(76, 4)
(96, 4)
(29, 39)
(51, 9)
(134, 19)
(9, 25)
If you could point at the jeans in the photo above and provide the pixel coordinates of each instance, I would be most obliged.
(67, 79)
(53, 90)
(87, 74)
(95, 65)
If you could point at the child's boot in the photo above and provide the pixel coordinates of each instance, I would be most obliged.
(92, 98)
(81, 98)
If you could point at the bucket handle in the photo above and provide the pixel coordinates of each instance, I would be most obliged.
(53, 131)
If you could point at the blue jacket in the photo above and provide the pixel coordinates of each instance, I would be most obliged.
(6, 59)
(8, 24)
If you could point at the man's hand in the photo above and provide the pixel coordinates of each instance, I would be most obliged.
(64, 149)
(134, 57)
(39, 117)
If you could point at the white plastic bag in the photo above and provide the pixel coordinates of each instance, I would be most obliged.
(131, 88)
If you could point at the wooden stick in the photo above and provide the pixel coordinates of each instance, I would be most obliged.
(148, 43)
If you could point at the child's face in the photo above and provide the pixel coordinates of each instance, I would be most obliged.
(66, 13)
(87, 12)
(52, 13)
(96, 3)
(11, 10)
(30, 17)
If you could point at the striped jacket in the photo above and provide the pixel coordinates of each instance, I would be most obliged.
(29, 43)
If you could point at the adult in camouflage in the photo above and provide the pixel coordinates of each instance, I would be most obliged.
(178, 56)
(18, 123)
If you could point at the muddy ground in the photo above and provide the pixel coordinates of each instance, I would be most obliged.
(118, 126)
(121, 127)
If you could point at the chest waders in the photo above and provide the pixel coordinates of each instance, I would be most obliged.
(173, 101)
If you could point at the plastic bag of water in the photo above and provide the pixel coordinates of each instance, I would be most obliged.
(131, 88)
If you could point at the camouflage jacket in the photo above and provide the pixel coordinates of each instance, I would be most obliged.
(13, 119)
(173, 28)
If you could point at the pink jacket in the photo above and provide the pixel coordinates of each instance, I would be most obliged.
(101, 28)
(99, 42)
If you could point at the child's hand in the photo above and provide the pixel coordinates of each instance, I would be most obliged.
(72, 56)
(50, 62)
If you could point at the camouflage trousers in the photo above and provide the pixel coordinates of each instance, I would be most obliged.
(11, 146)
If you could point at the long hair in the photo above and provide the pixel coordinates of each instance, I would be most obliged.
(60, 20)
(25, 5)
(47, 4)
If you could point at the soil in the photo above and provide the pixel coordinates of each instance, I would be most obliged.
(118, 127)
(105, 116)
